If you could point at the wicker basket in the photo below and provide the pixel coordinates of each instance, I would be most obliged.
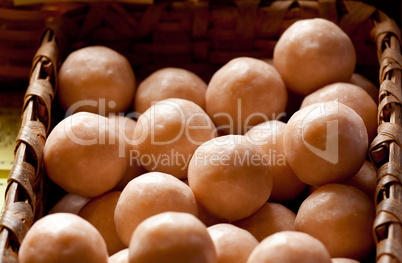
(200, 36)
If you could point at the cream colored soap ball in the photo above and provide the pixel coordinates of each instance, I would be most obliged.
(325, 143)
(96, 79)
(168, 133)
(63, 238)
(172, 237)
(290, 247)
(147, 195)
(169, 83)
(69, 203)
(243, 93)
(269, 219)
(366, 84)
(365, 179)
(100, 213)
(352, 96)
(232, 244)
(125, 125)
(269, 135)
(341, 217)
(312, 53)
(83, 155)
(230, 177)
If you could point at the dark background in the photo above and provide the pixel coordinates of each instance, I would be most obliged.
(390, 7)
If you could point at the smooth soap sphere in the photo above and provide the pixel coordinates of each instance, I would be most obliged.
(69, 203)
(150, 194)
(365, 179)
(84, 156)
(168, 133)
(243, 93)
(62, 238)
(172, 237)
(230, 177)
(100, 213)
(366, 84)
(269, 219)
(126, 125)
(119, 257)
(232, 244)
(269, 135)
(341, 217)
(205, 216)
(290, 247)
(352, 96)
(312, 53)
(325, 143)
(96, 79)
(169, 83)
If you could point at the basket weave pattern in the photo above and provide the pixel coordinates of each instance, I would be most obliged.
(191, 34)
(199, 36)
(385, 150)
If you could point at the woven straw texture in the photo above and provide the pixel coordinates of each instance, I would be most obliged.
(199, 36)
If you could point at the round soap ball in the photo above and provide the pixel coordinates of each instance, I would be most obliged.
(207, 218)
(312, 53)
(125, 125)
(230, 177)
(365, 179)
(325, 143)
(63, 238)
(100, 213)
(232, 244)
(96, 79)
(269, 135)
(169, 83)
(119, 257)
(341, 217)
(269, 219)
(75, 150)
(69, 203)
(290, 247)
(366, 84)
(243, 93)
(352, 96)
(147, 195)
(168, 133)
(172, 237)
